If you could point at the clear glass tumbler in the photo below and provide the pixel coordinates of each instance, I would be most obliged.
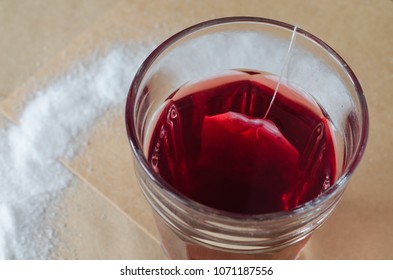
(190, 230)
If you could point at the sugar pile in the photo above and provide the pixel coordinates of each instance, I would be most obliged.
(31, 177)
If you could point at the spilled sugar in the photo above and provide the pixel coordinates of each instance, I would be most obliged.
(31, 177)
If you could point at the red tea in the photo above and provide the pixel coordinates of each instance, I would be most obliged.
(213, 144)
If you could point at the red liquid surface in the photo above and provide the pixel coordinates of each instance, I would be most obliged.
(212, 144)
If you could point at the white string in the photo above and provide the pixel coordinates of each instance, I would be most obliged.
(290, 47)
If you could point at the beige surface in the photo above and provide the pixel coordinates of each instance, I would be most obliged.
(361, 31)
(91, 228)
(31, 32)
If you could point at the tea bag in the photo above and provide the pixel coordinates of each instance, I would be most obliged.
(251, 161)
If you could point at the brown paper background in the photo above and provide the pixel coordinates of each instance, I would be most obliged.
(104, 215)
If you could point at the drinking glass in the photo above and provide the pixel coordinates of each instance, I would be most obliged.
(190, 230)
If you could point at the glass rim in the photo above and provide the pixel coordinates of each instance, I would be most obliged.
(173, 194)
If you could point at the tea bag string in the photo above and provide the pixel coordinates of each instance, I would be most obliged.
(283, 69)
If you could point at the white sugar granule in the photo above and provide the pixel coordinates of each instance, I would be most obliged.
(31, 177)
